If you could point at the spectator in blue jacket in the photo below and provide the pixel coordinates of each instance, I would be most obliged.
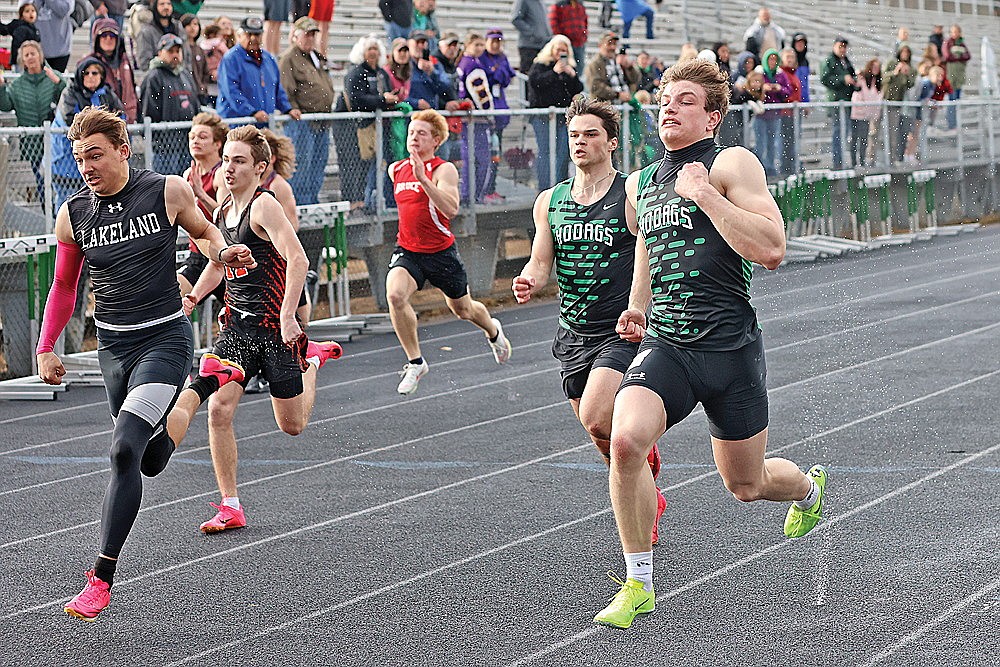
(249, 78)
(801, 46)
(430, 85)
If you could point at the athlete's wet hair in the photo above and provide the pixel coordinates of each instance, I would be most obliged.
(283, 151)
(439, 126)
(215, 124)
(611, 119)
(98, 120)
(252, 137)
(705, 74)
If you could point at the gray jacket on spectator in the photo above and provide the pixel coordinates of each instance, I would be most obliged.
(55, 26)
(114, 7)
(149, 36)
(532, 23)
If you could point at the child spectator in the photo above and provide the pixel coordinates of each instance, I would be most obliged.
(22, 28)
(864, 116)
(214, 46)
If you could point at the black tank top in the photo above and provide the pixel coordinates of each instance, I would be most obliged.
(700, 285)
(594, 254)
(258, 291)
(130, 245)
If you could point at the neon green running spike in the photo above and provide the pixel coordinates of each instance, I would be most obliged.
(798, 522)
(627, 603)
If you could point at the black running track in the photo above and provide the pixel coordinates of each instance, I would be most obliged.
(470, 525)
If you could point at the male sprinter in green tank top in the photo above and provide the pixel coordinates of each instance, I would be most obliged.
(704, 217)
(581, 226)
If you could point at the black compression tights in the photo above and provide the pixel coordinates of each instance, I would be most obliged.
(121, 500)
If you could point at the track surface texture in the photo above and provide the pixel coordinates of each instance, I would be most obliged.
(469, 524)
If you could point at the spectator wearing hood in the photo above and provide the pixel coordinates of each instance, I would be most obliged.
(22, 29)
(109, 48)
(897, 79)
(110, 9)
(840, 79)
(789, 138)
(149, 35)
(55, 29)
(801, 45)
(169, 94)
(88, 88)
(767, 126)
(731, 132)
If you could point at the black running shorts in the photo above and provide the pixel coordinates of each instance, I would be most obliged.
(443, 270)
(579, 354)
(731, 385)
(260, 351)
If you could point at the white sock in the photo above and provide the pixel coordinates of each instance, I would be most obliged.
(810, 498)
(232, 501)
(640, 566)
(314, 361)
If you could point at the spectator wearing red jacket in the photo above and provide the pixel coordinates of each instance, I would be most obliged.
(569, 18)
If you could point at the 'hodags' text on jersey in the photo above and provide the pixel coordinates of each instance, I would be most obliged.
(670, 214)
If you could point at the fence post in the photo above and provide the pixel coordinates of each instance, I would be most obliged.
(147, 141)
(380, 174)
(626, 139)
(962, 190)
(343, 279)
(552, 146)
(50, 215)
(886, 138)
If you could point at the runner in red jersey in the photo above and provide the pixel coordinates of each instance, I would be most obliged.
(426, 190)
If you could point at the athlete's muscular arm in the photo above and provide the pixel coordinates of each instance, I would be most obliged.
(535, 274)
(736, 198)
(268, 219)
(632, 322)
(61, 300)
(182, 211)
(442, 189)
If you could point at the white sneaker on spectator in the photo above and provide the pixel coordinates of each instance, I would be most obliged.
(501, 348)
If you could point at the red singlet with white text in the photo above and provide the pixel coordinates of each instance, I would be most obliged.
(422, 227)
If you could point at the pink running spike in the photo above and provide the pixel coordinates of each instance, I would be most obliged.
(226, 518)
(325, 351)
(91, 601)
(223, 369)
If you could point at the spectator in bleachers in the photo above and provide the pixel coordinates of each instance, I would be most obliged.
(923, 89)
(767, 126)
(399, 68)
(162, 23)
(32, 97)
(956, 56)
(649, 74)
(87, 89)
(630, 10)
(425, 22)
(552, 82)
(182, 7)
(306, 80)
(55, 29)
(569, 18)
(688, 52)
(863, 117)
(448, 54)
(801, 45)
(198, 65)
(937, 38)
(398, 17)
(226, 30)
(214, 47)
(931, 56)
(366, 88)
(168, 93)
(731, 132)
(275, 13)
(531, 22)
(110, 9)
(500, 75)
(722, 56)
(320, 11)
(763, 34)
(249, 78)
(789, 139)
(109, 48)
(942, 90)
(429, 82)
(899, 76)
(21, 29)
(474, 85)
(605, 77)
(902, 37)
(840, 79)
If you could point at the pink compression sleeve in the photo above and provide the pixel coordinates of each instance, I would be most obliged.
(62, 297)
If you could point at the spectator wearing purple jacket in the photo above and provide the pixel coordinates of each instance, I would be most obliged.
(474, 85)
(500, 74)
(767, 126)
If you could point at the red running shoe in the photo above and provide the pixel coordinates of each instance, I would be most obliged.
(226, 518)
(91, 601)
(654, 461)
(325, 351)
(661, 505)
(223, 369)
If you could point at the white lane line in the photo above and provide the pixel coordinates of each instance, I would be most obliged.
(715, 574)
(430, 341)
(599, 513)
(934, 622)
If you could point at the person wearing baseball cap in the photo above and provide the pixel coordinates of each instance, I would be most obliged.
(306, 80)
(425, 21)
(169, 93)
(163, 23)
(249, 78)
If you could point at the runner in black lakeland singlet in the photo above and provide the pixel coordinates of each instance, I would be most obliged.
(582, 227)
(704, 214)
(260, 329)
(124, 223)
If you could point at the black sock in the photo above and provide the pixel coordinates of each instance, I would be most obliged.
(205, 386)
(104, 569)
(157, 454)
(416, 362)
(495, 338)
